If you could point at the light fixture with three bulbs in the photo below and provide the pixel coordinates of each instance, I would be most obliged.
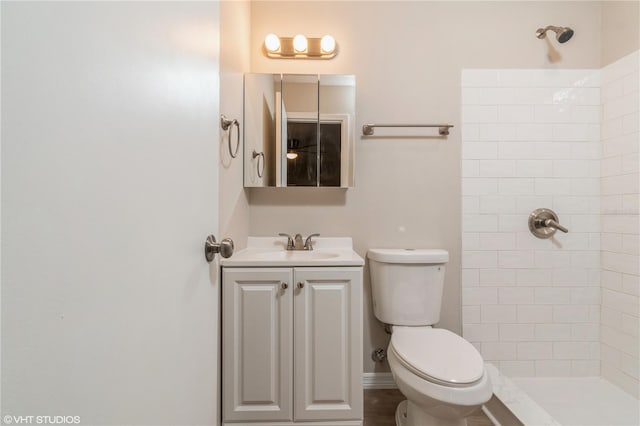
(300, 47)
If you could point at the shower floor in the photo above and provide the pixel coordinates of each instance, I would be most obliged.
(582, 401)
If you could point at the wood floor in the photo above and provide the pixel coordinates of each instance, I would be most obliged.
(380, 409)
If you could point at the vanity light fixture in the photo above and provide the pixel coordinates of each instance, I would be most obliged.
(300, 47)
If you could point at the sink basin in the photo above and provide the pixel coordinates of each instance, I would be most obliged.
(270, 251)
(295, 255)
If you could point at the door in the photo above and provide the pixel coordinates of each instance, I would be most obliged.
(328, 344)
(110, 135)
(257, 343)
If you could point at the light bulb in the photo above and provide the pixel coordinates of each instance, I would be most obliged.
(292, 155)
(328, 44)
(272, 42)
(300, 43)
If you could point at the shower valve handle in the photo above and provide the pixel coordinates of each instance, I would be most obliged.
(553, 224)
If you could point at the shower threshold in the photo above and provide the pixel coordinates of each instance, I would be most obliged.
(566, 401)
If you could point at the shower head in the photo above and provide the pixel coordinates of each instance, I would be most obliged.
(563, 34)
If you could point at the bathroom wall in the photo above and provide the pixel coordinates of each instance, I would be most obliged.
(531, 139)
(407, 58)
(235, 17)
(620, 222)
(620, 29)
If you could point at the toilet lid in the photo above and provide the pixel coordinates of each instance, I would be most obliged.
(435, 353)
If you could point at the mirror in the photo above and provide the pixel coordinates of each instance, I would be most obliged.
(299, 130)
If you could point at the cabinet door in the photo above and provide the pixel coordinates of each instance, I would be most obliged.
(257, 344)
(328, 344)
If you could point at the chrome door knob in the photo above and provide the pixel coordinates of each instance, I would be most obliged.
(211, 248)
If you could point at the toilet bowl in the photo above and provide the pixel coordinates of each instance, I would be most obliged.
(441, 374)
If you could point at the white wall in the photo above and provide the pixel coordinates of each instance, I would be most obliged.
(620, 223)
(407, 58)
(531, 139)
(109, 188)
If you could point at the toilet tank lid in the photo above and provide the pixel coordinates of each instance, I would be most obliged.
(409, 255)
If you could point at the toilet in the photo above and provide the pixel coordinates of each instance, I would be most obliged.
(441, 374)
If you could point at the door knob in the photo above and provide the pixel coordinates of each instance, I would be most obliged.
(211, 247)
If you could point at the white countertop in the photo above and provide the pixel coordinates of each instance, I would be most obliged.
(271, 251)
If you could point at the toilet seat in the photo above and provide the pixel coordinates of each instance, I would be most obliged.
(437, 355)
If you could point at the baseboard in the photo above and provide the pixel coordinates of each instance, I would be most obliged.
(378, 381)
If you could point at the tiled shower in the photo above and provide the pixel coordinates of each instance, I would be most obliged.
(565, 140)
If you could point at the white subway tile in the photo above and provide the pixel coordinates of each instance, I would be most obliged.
(515, 113)
(576, 204)
(552, 295)
(630, 325)
(479, 150)
(479, 114)
(497, 168)
(534, 314)
(631, 284)
(479, 78)
(534, 132)
(612, 128)
(630, 365)
(518, 368)
(512, 223)
(479, 186)
(499, 95)
(585, 332)
(534, 168)
(480, 332)
(582, 222)
(473, 96)
(585, 259)
(534, 96)
(620, 224)
(479, 259)
(479, 223)
(610, 166)
(497, 204)
(568, 132)
(586, 150)
(534, 277)
(515, 296)
(497, 313)
(469, 132)
(611, 318)
(575, 350)
(585, 295)
(552, 368)
(552, 186)
(612, 280)
(479, 296)
(517, 78)
(548, 259)
(630, 164)
(496, 241)
(630, 84)
(535, 350)
(516, 332)
(497, 132)
(585, 186)
(515, 186)
(620, 302)
(497, 351)
(630, 123)
(576, 168)
(516, 259)
(585, 368)
(527, 203)
(621, 184)
(570, 276)
(497, 277)
(570, 314)
(611, 204)
(552, 332)
(623, 342)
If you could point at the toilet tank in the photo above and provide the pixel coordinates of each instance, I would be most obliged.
(407, 285)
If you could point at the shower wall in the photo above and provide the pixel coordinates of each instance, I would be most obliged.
(620, 223)
(531, 138)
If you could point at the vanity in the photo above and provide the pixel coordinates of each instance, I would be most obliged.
(292, 334)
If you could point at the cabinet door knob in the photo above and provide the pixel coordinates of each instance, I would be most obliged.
(300, 285)
(284, 285)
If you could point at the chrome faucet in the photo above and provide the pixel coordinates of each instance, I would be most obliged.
(295, 243)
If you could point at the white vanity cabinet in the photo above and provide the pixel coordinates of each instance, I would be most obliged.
(292, 345)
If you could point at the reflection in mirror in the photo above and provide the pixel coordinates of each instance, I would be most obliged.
(304, 125)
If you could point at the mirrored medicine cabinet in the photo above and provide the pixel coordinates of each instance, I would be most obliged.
(299, 130)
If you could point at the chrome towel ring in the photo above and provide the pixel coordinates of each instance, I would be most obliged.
(226, 124)
(259, 169)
